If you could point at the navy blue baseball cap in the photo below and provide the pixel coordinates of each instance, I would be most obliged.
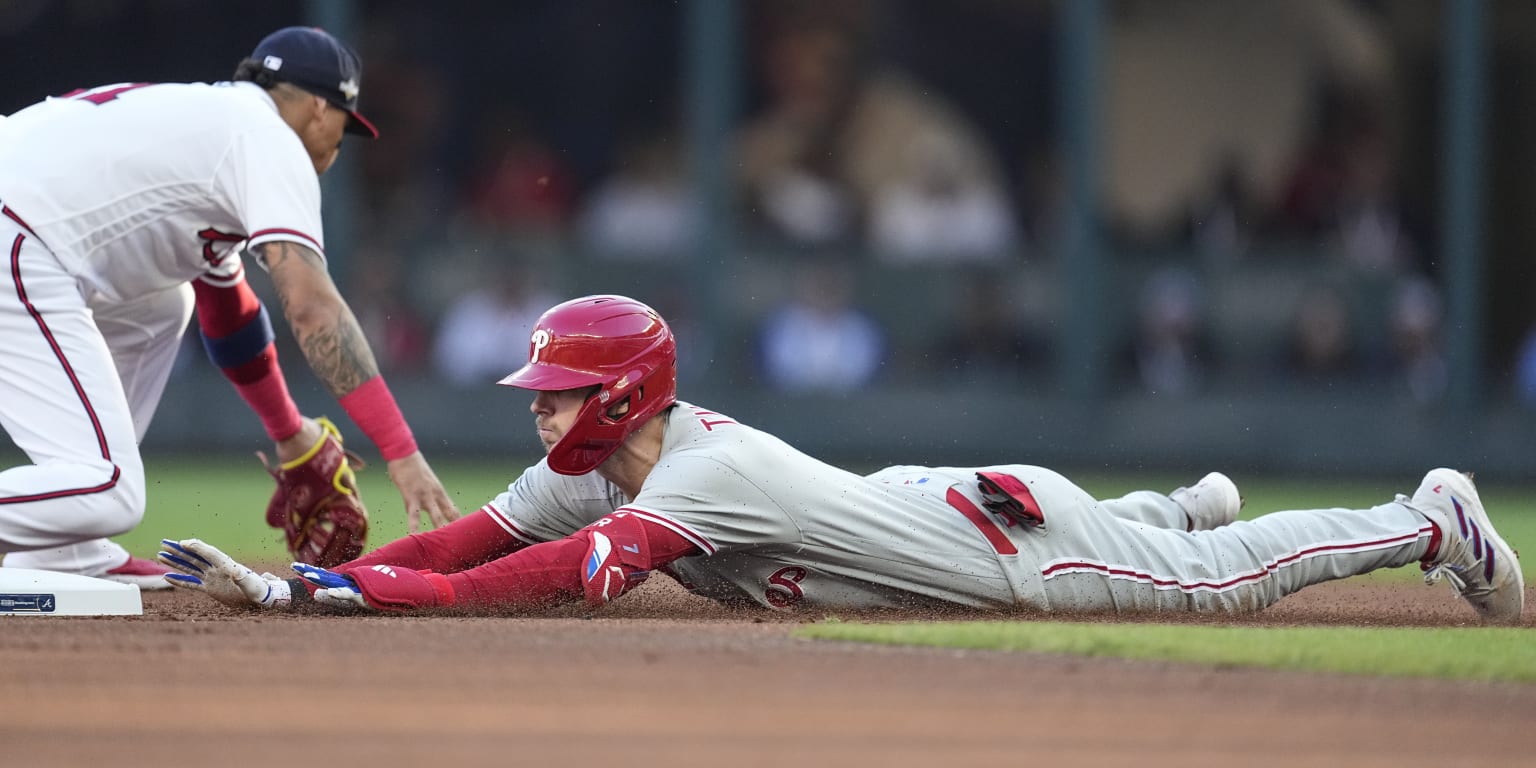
(310, 58)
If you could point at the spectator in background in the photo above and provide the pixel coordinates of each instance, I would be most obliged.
(1171, 353)
(1418, 352)
(1197, 87)
(1525, 370)
(1342, 191)
(836, 135)
(643, 210)
(1323, 348)
(820, 340)
(988, 342)
(788, 153)
(1373, 230)
(489, 325)
(803, 206)
(520, 186)
(390, 322)
(941, 215)
(1222, 225)
(401, 187)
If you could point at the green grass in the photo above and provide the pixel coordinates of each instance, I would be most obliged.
(1477, 653)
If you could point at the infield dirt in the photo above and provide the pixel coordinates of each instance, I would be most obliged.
(665, 678)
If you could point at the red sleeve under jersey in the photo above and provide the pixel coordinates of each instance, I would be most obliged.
(238, 337)
(471, 540)
(551, 573)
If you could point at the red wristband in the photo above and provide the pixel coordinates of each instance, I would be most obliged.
(268, 397)
(374, 410)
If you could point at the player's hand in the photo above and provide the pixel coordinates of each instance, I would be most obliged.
(422, 492)
(333, 589)
(201, 567)
(379, 588)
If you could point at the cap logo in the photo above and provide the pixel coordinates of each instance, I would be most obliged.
(540, 341)
(273, 63)
(348, 89)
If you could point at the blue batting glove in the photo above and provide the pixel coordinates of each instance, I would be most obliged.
(322, 578)
(334, 589)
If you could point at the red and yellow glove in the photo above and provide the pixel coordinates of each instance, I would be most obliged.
(316, 503)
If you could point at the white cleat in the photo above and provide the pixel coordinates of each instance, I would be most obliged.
(1481, 567)
(1210, 503)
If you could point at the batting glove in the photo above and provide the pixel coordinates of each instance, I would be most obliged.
(334, 589)
(201, 567)
(380, 587)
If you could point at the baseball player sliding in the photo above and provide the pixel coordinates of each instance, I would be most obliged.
(124, 208)
(636, 481)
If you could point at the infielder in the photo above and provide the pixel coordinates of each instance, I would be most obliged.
(126, 206)
(635, 482)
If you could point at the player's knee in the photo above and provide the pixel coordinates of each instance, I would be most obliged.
(122, 500)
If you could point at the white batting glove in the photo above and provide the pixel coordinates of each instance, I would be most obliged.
(203, 568)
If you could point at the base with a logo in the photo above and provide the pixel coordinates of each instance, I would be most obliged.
(26, 592)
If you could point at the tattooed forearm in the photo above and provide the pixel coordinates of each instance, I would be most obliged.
(325, 327)
(340, 355)
(277, 255)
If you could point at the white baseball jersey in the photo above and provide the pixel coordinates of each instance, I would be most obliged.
(114, 200)
(137, 188)
(782, 529)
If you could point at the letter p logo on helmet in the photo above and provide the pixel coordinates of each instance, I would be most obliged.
(539, 341)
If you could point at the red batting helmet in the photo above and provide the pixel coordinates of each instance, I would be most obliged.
(615, 343)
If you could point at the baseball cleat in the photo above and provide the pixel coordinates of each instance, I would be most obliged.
(1479, 565)
(147, 574)
(1210, 503)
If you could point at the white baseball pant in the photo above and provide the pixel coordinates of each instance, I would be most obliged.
(79, 382)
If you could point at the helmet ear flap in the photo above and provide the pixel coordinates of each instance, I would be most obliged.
(621, 409)
(619, 344)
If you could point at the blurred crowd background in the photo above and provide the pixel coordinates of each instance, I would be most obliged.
(886, 230)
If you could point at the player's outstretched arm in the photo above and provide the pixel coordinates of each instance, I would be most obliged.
(597, 563)
(334, 345)
(201, 567)
(472, 540)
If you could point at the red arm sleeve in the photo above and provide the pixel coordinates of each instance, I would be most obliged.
(471, 540)
(237, 335)
(555, 572)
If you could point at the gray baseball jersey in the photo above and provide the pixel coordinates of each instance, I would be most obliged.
(782, 529)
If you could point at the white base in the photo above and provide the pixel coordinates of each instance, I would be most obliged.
(26, 592)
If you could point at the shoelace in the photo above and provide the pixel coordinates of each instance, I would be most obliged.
(1459, 585)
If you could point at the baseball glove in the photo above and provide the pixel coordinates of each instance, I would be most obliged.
(316, 503)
